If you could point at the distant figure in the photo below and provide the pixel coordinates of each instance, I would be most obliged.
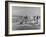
(36, 18)
(24, 20)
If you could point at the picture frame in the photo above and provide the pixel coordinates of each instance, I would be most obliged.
(20, 18)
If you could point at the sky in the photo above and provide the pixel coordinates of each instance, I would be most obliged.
(29, 11)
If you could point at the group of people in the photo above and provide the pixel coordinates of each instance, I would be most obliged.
(28, 19)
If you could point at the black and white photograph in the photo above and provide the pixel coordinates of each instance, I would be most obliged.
(24, 18)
